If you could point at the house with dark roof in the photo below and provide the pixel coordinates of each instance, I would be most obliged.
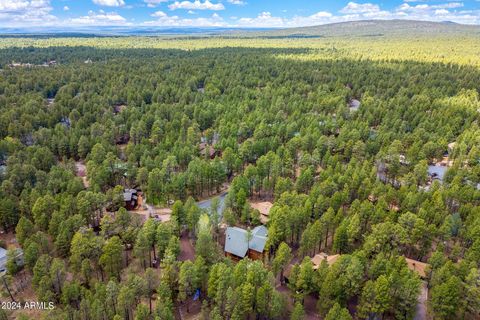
(130, 196)
(240, 243)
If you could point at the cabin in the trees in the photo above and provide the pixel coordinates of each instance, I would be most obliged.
(240, 243)
(130, 196)
(436, 172)
(207, 146)
(418, 267)
(322, 256)
(208, 150)
(264, 209)
(19, 261)
(354, 104)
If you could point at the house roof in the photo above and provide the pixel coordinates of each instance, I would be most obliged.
(211, 150)
(236, 240)
(318, 258)
(260, 231)
(437, 171)
(128, 194)
(259, 238)
(417, 266)
(354, 104)
(262, 207)
(414, 265)
(3, 259)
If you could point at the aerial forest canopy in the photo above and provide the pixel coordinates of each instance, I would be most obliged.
(368, 149)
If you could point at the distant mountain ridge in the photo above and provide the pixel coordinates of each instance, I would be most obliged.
(362, 28)
(370, 28)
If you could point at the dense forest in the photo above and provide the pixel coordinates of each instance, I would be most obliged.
(270, 120)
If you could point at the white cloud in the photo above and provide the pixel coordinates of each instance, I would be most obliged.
(164, 20)
(110, 3)
(263, 20)
(14, 13)
(368, 11)
(196, 5)
(355, 8)
(237, 2)
(20, 13)
(441, 12)
(159, 14)
(154, 3)
(426, 7)
(100, 18)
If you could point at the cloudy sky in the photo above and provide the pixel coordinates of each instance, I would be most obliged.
(227, 13)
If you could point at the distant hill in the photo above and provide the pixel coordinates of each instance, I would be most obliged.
(365, 28)
(371, 28)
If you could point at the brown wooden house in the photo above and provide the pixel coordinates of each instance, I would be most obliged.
(239, 243)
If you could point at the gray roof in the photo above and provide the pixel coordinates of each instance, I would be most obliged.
(236, 240)
(3, 259)
(437, 172)
(354, 104)
(260, 231)
(128, 194)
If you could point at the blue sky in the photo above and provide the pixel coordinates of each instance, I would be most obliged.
(227, 13)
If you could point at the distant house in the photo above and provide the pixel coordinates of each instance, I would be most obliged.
(238, 246)
(264, 209)
(322, 256)
(122, 139)
(437, 172)
(65, 121)
(451, 146)
(206, 149)
(119, 108)
(130, 196)
(417, 267)
(354, 104)
(4, 258)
